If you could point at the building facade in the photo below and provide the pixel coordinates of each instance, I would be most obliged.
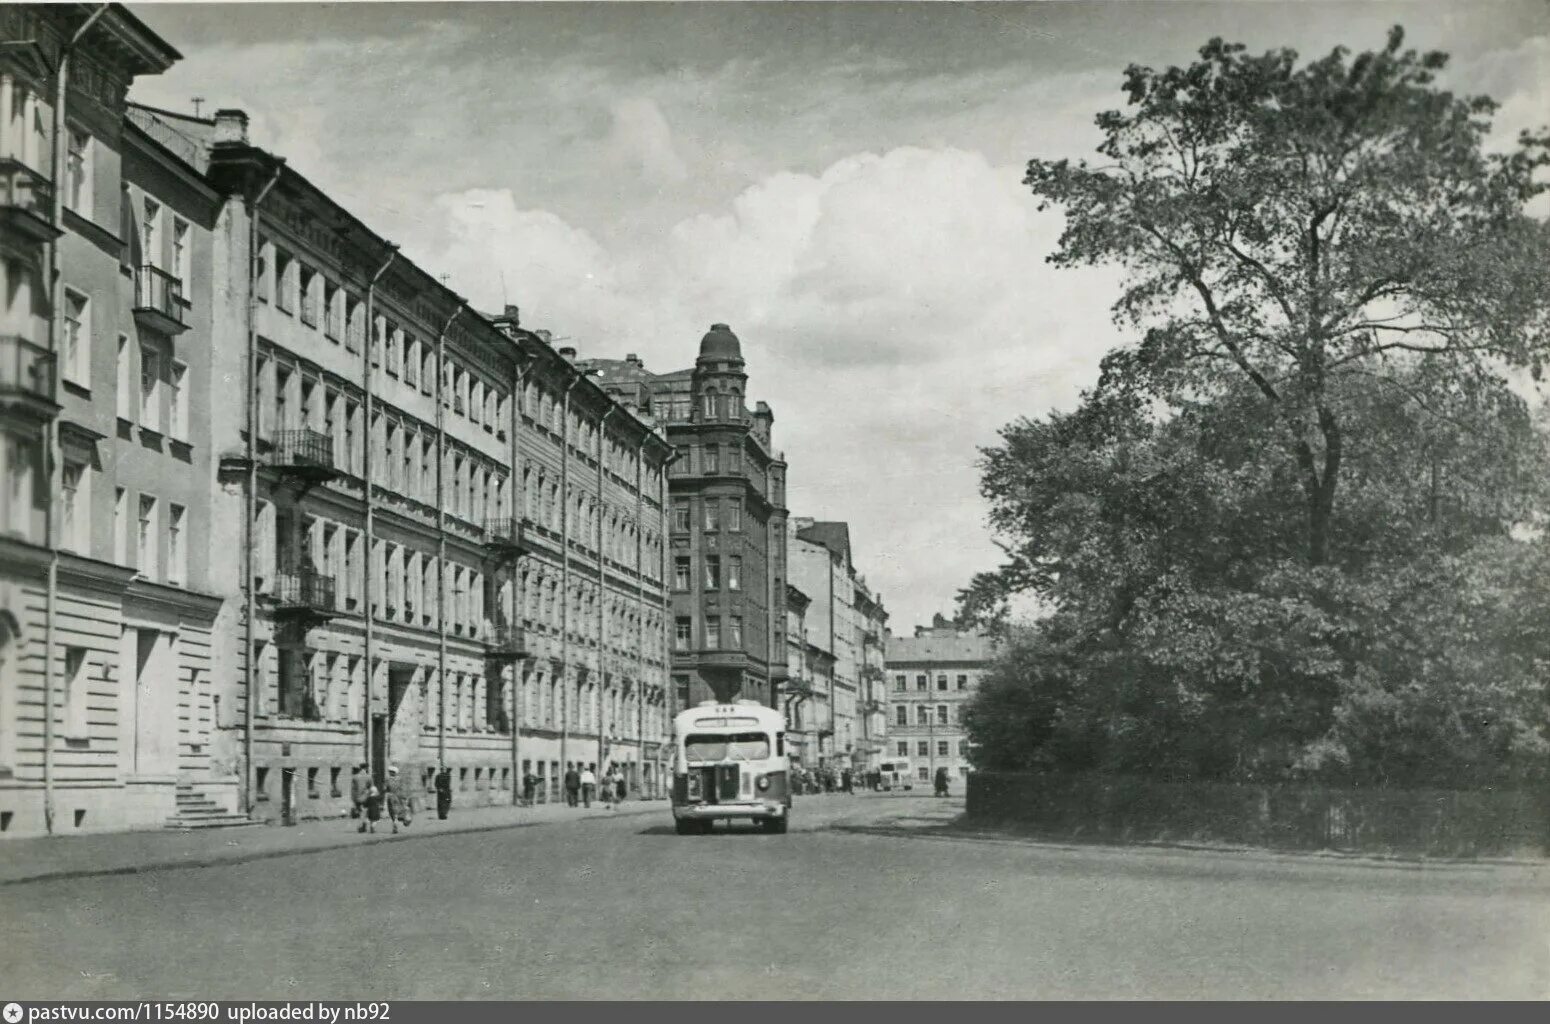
(845, 624)
(727, 554)
(933, 674)
(410, 534)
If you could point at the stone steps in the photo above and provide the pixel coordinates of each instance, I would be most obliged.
(195, 810)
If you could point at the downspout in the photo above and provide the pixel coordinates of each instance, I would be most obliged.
(441, 544)
(51, 431)
(515, 613)
(602, 591)
(250, 642)
(668, 625)
(640, 623)
(369, 340)
(565, 569)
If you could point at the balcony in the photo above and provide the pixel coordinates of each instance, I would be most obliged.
(506, 642)
(159, 302)
(304, 595)
(304, 454)
(26, 201)
(26, 377)
(506, 538)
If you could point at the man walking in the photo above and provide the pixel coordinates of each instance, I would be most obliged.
(529, 787)
(588, 785)
(443, 792)
(572, 784)
(361, 790)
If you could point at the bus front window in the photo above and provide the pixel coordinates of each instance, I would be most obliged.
(744, 746)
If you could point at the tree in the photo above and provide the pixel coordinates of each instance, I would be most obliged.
(1293, 229)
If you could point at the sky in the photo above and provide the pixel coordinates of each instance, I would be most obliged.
(839, 182)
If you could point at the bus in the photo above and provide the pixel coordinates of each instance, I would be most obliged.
(729, 761)
(895, 774)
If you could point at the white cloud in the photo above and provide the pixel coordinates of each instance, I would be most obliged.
(642, 138)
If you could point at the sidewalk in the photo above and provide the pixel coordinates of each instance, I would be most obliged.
(118, 853)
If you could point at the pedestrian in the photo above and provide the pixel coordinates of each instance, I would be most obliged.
(848, 775)
(623, 789)
(588, 785)
(605, 791)
(443, 792)
(529, 787)
(572, 784)
(360, 792)
(941, 782)
(397, 802)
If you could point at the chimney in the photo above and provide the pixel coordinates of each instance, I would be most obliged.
(510, 315)
(545, 336)
(634, 360)
(568, 354)
(231, 126)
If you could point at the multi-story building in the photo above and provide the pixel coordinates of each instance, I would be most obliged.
(107, 321)
(410, 535)
(845, 625)
(727, 486)
(934, 673)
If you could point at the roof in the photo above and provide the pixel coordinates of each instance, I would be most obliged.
(917, 649)
(832, 535)
(720, 345)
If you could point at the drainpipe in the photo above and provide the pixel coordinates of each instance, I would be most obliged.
(640, 624)
(51, 431)
(602, 592)
(378, 771)
(667, 599)
(514, 615)
(565, 568)
(441, 544)
(250, 643)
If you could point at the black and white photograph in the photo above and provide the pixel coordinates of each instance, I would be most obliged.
(772, 501)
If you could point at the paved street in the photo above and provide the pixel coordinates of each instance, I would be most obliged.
(868, 897)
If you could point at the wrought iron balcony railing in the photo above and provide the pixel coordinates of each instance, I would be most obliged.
(159, 303)
(303, 451)
(506, 535)
(26, 370)
(506, 641)
(26, 200)
(304, 592)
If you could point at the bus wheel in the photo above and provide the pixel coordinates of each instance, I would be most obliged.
(775, 826)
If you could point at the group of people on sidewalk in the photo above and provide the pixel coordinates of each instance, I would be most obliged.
(369, 803)
(582, 785)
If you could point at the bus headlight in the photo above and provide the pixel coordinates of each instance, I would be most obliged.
(763, 782)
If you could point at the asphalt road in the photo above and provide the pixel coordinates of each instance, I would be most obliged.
(867, 897)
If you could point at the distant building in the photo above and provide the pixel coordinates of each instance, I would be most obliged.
(932, 676)
(727, 486)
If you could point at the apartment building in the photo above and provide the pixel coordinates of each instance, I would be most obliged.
(933, 675)
(727, 487)
(845, 623)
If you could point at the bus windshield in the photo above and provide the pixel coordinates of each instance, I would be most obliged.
(741, 746)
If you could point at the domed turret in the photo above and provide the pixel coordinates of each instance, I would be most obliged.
(720, 345)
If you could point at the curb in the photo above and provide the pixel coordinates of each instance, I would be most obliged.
(245, 858)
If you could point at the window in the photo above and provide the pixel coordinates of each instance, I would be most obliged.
(683, 633)
(681, 572)
(735, 572)
(733, 458)
(177, 550)
(923, 715)
(120, 526)
(902, 715)
(77, 685)
(735, 514)
(920, 682)
(150, 231)
(150, 389)
(941, 748)
(712, 459)
(411, 360)
(712, 572)
(900, 684)
(712, 515)
(283, 299)
(923, 748)
(78, 173)
(332, 309)
(307, 278)
(902, 749)
(941, 682)
(941, 714)
(735, 631)
(963, 682)
(261, 272)
(182, 254)
(145, 548)
(923, 774)
(963, 748)
(75, 515)
(712, 632)
(680, 517)
(390, 349)
(19, 456)
(178, 401)
(75, 346)
(122, 396)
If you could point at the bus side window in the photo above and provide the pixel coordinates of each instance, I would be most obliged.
(780, 744)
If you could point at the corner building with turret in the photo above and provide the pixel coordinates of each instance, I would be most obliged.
(726, 559)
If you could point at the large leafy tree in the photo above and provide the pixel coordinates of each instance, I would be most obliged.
(1283, 534)
(1288, 228)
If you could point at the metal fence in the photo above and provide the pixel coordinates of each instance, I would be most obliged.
(1434, 822)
